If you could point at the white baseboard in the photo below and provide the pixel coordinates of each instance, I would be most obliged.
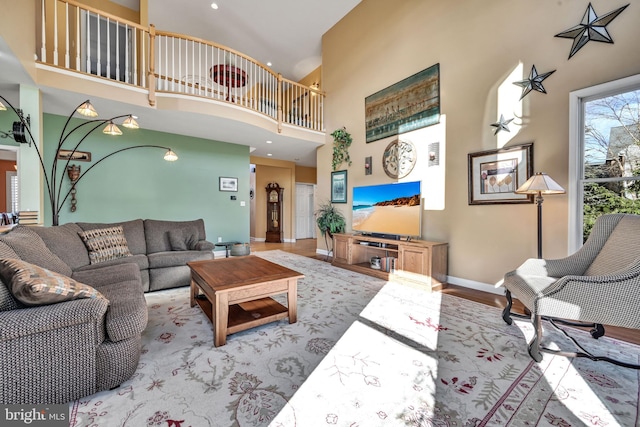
(258, 239)
(479, 286)
(322, 251)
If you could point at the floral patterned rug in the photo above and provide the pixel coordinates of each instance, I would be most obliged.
(363, 353)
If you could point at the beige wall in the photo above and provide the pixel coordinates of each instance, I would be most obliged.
(306, 174)
(482, 47)
(283, 173)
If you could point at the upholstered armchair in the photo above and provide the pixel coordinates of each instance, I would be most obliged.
(598, 285)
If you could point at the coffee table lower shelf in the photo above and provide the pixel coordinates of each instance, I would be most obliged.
(249, 314)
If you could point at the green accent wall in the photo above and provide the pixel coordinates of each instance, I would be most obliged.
(139, 183)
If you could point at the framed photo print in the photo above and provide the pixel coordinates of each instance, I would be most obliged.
(228, 184)
(495, 175)
(339, 187)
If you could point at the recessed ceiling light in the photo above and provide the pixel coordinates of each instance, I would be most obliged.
(214, 6)
(269, 64)
(269, 142)
(269, 154)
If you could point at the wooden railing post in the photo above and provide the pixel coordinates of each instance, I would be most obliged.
(279, 101)
(151, 74)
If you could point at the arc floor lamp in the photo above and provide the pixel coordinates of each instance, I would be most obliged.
(540, 184)
(21, 133)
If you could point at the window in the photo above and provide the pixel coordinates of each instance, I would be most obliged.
(605, 154)
(12, 192)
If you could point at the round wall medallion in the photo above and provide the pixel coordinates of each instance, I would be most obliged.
(399, 158)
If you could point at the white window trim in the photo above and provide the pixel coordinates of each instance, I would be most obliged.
(576, 127)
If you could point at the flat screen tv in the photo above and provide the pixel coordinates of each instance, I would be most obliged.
(390, 210)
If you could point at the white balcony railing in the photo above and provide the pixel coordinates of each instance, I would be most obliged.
(86, 40)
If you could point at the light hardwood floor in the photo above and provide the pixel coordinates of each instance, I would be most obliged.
(307, 247)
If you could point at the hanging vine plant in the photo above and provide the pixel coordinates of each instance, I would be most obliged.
(341, 142)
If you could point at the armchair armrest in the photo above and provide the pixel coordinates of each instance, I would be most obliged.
(549, 268)
(28, 321)
(204, 245)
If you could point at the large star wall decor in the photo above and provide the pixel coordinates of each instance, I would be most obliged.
(501, 124)
(592, 27)
(534, 82)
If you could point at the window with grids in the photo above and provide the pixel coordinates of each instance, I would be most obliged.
(609, 178)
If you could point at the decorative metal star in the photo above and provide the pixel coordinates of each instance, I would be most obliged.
(502, 124)
(592, 27)
(534, 82)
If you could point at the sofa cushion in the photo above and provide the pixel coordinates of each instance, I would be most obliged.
(65, 242)
(157, 233)
(30, 247)
(34, 285)
(183, 239)
(176, 258)
(133, 232)
(105, 244)
(140, 260)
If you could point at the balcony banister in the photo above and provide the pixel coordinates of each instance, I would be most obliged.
(151, 75)
(169, 62)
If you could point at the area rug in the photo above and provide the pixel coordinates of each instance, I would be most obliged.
(363, 353)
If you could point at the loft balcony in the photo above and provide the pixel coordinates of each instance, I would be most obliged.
(174, 82)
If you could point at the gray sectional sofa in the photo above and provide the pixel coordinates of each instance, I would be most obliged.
(60, 352)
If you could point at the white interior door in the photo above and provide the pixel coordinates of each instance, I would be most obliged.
(305, 221)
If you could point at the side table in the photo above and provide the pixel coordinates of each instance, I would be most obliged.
(227, 246)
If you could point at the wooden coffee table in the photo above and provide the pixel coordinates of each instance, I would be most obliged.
(235, 293)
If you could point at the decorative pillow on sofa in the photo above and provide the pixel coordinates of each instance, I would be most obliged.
(105, 244)
(183, 239)
(33, 285)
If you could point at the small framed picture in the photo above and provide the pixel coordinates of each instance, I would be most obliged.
(495, 175)
(228, 184)
(339, 187)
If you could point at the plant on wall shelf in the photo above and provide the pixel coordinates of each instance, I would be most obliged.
(330, 220)
(341, 142)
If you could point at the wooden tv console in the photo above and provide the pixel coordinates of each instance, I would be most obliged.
(418, 261)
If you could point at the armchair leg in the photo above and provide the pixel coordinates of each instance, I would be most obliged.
(506, 313)
(534, 344)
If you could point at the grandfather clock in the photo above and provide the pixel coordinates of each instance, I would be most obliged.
(274, 213)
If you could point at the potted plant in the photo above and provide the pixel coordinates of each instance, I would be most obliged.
(341, 142)
(330, 220)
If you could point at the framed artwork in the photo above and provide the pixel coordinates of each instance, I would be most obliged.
(495, 175)
(228, 184)
(80, 156)
(339, 187)
(410, 104)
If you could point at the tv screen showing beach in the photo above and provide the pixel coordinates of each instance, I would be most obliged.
(387, 209)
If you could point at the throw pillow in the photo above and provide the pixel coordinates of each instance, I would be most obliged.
(183, 239)
(105, 244)
(34, 285)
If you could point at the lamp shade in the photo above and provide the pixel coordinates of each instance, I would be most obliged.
(86, 109)
(170, 156)
(2, 107)
(111, 129)
(130, 122)
(540, 183)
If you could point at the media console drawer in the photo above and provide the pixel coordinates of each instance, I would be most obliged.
(418, 261)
